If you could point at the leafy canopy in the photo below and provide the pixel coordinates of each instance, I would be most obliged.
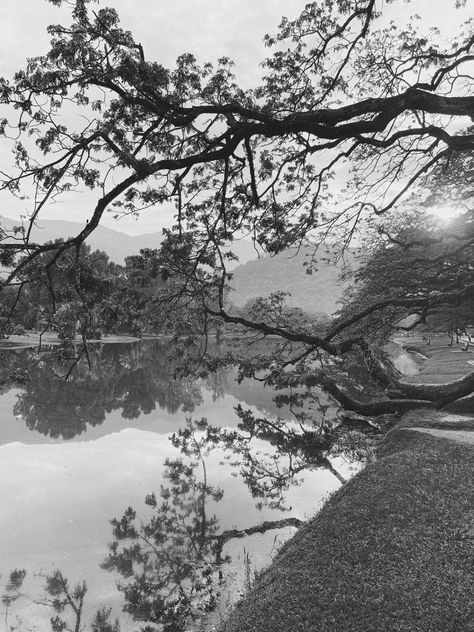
(352, 116)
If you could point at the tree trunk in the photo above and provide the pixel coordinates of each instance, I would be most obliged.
(378, 407)
(437, 395)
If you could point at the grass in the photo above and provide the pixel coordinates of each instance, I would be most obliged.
(439, 420)
(444, 364)
(391, 551)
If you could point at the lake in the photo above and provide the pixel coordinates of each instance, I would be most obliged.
(77, 453)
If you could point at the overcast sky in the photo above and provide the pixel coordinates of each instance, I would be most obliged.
(208, 28)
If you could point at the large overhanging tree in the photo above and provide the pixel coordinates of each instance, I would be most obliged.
(353, 115)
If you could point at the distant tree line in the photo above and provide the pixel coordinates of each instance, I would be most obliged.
(85, 294)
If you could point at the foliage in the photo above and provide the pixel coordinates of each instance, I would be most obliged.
(168, 563)
(422, 263)
(354, 119)
(351, 118)
(72, 296)
(238, 160)
(86, 295)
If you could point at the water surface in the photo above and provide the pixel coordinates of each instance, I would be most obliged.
(75, 454)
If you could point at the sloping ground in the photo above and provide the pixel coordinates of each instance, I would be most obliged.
(443, 363)
(391, 551)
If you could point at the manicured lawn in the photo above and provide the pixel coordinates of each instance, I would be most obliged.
(444, 363)
(393, 550)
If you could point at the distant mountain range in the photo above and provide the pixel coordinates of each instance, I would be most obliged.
(316, 293)
(116, 244)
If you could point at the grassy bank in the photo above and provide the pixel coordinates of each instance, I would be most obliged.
(391, 551)
(442, 364)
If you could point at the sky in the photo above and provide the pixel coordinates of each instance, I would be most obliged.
(166, 28)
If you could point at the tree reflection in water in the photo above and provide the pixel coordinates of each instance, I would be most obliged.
(168, 563)
(172, 564)
(171, 559)
(131, 378)
(65, 605)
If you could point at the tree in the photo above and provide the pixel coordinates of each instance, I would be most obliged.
(412, 259)
(75, 296)
(344, 96)
(138, 295)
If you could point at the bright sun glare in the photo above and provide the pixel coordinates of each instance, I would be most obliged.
(444, 213)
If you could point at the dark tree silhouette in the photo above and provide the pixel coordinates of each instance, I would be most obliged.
(382, 107)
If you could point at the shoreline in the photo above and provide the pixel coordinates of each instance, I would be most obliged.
(33, 339)
(392, 549)
(407, 359)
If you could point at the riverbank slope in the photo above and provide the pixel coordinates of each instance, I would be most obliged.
(392, 549)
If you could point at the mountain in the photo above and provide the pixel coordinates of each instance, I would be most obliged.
(315, 293)
(116, 244)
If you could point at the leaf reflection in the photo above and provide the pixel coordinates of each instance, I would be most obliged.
(132, 378)
(169, 565)
(172, 562)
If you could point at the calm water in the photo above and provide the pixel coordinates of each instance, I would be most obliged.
(75, 454)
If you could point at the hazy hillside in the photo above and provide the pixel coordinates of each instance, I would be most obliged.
(116, 244)
(315, 293)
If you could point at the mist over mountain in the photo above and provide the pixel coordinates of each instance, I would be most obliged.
(316, 293)
(116, 244)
